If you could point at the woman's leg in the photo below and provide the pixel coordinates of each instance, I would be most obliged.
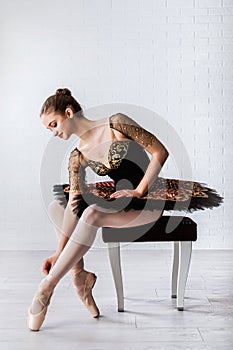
(56, 213)
(73, 251)
(83, 280)
(84, 235)
(79, 275)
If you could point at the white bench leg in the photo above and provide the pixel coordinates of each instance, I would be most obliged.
(175, 269)
(115, 261)
(185, 251)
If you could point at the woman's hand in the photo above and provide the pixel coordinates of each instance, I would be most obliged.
(49, 262)
(125, 193)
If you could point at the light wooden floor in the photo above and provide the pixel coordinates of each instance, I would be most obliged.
(151, 320)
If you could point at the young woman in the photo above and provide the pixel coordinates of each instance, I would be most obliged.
(113, 146)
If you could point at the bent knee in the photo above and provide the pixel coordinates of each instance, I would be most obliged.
(93, 216)
(54, 206)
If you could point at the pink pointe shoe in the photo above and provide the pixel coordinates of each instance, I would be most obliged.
(35, 321)
(84, 282)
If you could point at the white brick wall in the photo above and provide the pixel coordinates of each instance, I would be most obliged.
(170, 56)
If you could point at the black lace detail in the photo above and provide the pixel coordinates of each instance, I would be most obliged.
(117, 151)
(77, 173)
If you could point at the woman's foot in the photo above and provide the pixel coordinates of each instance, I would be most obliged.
(39, 306)
(84, 282)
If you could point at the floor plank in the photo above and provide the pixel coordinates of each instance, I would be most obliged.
(150, 320)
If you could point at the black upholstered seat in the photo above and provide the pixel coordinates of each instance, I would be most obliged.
(179, 229)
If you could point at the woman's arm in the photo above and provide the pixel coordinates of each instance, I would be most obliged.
(129, 128)
(70, 215)
(157, 161)
(70, 219)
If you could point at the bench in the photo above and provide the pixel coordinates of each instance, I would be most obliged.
(178, 229)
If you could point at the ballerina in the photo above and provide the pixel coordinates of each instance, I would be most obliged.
(115, 146)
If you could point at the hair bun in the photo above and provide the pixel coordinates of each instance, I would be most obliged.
(64, 92)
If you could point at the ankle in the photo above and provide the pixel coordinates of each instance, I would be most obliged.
(47, 284)
(79, 277)
(76, 270)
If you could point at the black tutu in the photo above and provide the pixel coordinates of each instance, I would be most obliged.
(166, 194)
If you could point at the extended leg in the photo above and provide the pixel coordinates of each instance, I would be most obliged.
(83, 280)
(56, 213)
(85, 232)
(79, 243)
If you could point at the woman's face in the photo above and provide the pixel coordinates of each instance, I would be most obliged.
(59, 125)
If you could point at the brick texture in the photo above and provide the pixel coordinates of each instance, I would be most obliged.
(173, 57)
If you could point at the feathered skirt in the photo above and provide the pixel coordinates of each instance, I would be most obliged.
(166, 194)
